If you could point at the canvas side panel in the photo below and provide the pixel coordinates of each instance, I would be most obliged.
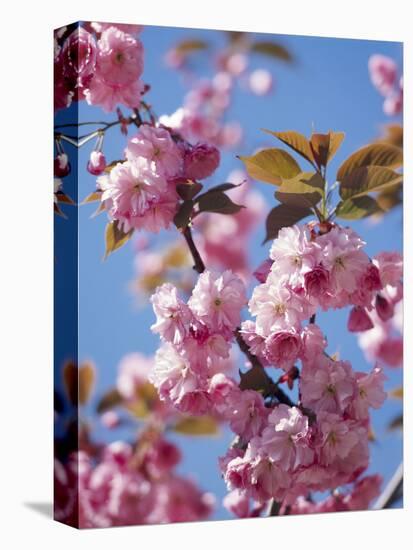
(66, 421)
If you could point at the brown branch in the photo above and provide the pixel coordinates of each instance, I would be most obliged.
(199, 265)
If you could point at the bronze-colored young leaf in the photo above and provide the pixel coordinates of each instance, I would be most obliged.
(183, 216)
(271, 166)
(63, 198)
(256, 379)
(281, 216)
(87, 375)
(392, 134)
(197, 425)
(109, 400)
(336, 139)
(272, 49)
(189, 190)
(115, 238)
(70, 377)
(218, 202)
(93, 197)
(357, 208)
(189, 46)
(297, 142)
(396, 423)
(367, 179)
(376, 154)
(320, 146)
(304, 190)
(397, 393)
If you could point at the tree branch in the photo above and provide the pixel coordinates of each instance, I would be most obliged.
(199, 265)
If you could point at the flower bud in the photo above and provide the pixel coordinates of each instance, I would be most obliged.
(97, 163)
(359, 320)
(201, 161)
(61, 165)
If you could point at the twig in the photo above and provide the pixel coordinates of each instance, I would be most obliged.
(199, 265)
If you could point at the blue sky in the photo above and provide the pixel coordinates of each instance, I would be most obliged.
(326, 88)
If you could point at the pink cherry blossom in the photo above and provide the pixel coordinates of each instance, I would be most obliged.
(317, 284)
(338, 437)
(313, 342)
(359, 320)
(262, 271)
(327, 385)
(137, 197)
(246, 413)
(260, 82)
(276, 306)
(156, 145)
(293, 253)
(343, 257)
(286, 438)
(383, 73)
(173, 316)
(79, 54)
(370, 392)
(283, 348)
(119, 65)
(201, 161)
(217, 300)
(390, 266)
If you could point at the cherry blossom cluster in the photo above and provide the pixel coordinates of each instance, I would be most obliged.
(140, 192)
(283, 450)
(127, 487)
(384, 76)
(308, 271)
(190, 365)
(101, 64)
(203, 112)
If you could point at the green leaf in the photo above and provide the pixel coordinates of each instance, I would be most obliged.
(93, 197)
(109, 400)
(115, 238)
(297, 142)
(218, 202)
(366, 179)
(272, 49)
(271, 166)
(281, 216)
(304, 190)
(357, 208)
(197, 425)
(376, 154)
(183, 216)
(187, 191)
(255, 379)
(87, 375)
